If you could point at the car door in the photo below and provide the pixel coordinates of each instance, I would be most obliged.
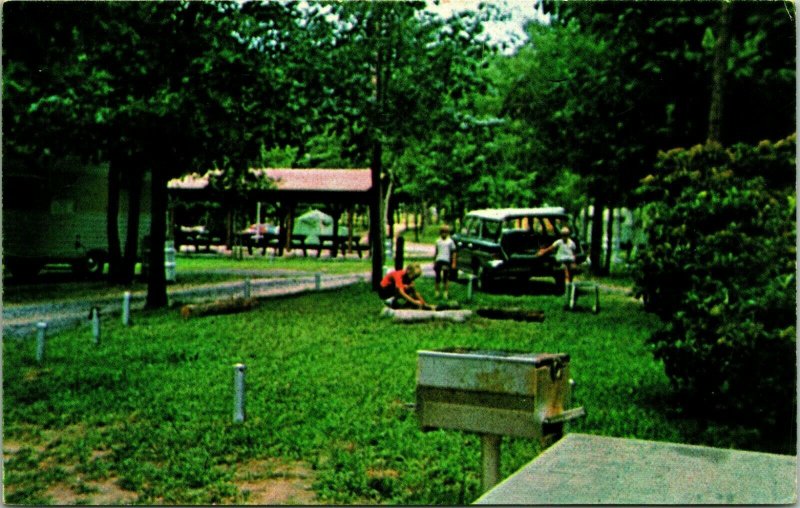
(465, 243)
(486, 246)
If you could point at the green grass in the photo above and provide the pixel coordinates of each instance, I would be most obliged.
(323, 264)
(428, 234)
(327, 379)
(191, 270)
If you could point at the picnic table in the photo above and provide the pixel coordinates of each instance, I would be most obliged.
(585, 469)
(338, 244)
(270, 240)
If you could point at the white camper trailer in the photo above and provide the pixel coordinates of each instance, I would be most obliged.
(59, 216)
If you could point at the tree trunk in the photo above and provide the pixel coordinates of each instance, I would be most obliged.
(596, 247)
(719, 69)
(112, 222)
(226, 306)
(156, 282)
(135, 177)
(376, 218)
(424, 219)
(609, 241)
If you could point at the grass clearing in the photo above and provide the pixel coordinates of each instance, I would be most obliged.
(192, 270)
(150, 409)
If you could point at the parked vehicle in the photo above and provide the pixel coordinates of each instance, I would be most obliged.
(58, 216)
(503, 243)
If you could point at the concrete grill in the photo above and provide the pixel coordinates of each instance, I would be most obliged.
(495, 392)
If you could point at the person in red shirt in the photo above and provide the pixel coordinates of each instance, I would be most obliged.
(397, 287)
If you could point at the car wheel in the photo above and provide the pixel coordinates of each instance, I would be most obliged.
(91, 265)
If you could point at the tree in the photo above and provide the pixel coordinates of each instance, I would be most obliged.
(720, 271)
(174, 86)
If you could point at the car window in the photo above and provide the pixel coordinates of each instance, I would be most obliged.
(473, 226)
(491, 230)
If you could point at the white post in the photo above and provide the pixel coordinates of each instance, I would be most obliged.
(238, 392)
(96, 325)
(490, 461)
(258, 221)
(317, 281)
(41, 329)
(470, 285)
(126, 309)
(247, 287)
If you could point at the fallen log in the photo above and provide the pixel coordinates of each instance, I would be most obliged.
(514, 313)
(418, 316)
(227, 306)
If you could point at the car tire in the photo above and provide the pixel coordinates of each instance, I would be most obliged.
(91, 265)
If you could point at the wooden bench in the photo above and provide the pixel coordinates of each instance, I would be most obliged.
(271, 241)
(196, 236)
(575, 289)
(340, 243)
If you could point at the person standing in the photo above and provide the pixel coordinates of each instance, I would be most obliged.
(444, 260)
(565, 249)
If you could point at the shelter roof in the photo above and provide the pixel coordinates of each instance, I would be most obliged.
(284, 179)
(513, 213)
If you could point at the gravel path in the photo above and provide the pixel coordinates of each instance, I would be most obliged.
(19, 321)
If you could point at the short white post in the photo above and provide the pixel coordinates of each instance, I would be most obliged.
(247, 287)
(573, 291)
(490, 461)
(126, 308)
(470, 286)
(317, 281)
(41, 335)
(238, 392)
(96, 325)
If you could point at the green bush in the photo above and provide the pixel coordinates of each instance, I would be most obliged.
(720, 272)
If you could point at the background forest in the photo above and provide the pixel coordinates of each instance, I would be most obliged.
(684, 111)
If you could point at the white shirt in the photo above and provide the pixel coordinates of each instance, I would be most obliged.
(565, 250)
(444, 249)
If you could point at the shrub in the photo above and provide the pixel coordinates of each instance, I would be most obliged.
(720, 272)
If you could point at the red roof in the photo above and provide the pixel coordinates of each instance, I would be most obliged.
(327, 180)
(349, 180)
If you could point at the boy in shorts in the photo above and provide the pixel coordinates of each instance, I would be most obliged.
(565, 249)
(444, 260)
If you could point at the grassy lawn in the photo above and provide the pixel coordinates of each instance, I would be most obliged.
(311, 264)
(192, 270)
(150, 409)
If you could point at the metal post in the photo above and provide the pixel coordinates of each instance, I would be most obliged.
(470, 286)
(96, 325)
(238, 392)
(41, 333)
(573, 292)
(490, 461)
(317, 281)
(126, 308)
(247, 287)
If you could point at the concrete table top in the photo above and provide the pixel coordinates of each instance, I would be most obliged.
(585, 469)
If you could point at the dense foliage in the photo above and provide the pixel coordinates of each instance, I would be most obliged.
(720, 270)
